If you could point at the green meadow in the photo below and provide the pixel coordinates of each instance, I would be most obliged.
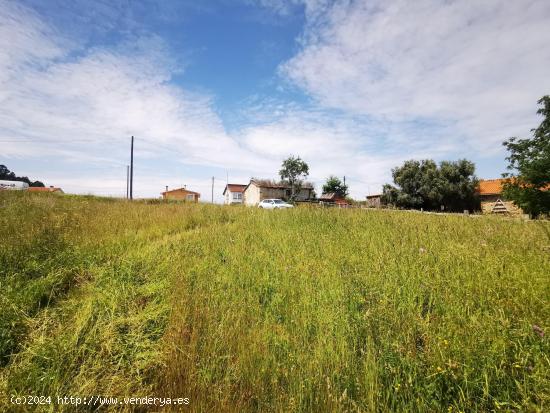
(246, 310)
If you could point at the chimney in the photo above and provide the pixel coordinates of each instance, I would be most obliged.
(166, 188)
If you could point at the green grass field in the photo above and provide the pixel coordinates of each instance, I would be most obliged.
(245, 310)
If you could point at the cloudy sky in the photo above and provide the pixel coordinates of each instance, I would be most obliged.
(229, 88)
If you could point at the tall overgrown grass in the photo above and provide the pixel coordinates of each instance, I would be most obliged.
(305, 310)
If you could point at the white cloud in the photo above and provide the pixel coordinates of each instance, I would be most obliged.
(479, 66)
(391, 82)
(65, 104)
(335, 144)
(282, 8)
(77, 108)
(24, 40)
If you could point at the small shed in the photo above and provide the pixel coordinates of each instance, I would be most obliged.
(374, 201)
(332, 198)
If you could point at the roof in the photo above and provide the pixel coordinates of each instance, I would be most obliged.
(180, 190)
(267, 183)
(43, 189)
(490, 186)
(331, 196)
(374, 196)
(494, 186)
(234, 188)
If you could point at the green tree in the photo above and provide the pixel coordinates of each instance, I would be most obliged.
(529, 160)
(424, 184)
(8, 175)
(414, 187)
(293, 171)
(334, 184)
(458, 185)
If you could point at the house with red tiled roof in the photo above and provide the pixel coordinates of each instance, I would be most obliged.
(234, 194)
(181, 194)
(45, 189)
(492, 199)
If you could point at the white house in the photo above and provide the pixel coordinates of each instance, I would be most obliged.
(233, 194)
(260, 189)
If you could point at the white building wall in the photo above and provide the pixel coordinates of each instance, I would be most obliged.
(252, 195)
(229, 199)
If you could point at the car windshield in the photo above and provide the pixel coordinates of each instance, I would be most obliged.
(278, 201)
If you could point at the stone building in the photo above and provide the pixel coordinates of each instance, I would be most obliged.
(492, 199)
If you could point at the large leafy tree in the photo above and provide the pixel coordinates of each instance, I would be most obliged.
(334, 184)
(459, 185)
(529, 162)
(293, 171)
(8, 175)
(424, 184)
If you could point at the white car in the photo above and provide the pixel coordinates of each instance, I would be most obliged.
(274, 204)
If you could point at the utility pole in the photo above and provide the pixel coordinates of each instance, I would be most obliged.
(132, 169)
(127, 180)
(212, 189)
(344, 179)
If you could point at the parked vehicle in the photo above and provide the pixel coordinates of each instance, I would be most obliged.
(274, 204)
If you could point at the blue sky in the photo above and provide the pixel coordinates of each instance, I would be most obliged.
(230, 88)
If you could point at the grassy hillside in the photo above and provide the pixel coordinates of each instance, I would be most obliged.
(242, 310)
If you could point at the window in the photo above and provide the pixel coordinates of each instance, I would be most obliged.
(190, 197)
(237, 195)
